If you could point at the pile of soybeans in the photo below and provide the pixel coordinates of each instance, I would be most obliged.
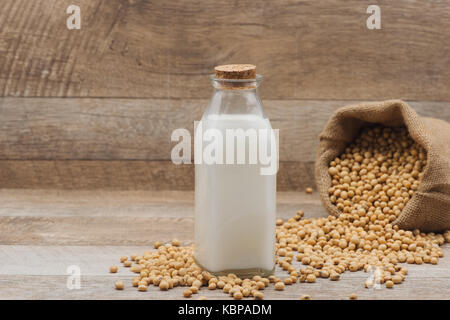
(371, 183)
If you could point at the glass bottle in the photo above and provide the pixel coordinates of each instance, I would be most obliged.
(235, 198)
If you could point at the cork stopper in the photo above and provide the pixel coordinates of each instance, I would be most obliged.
(235, 71)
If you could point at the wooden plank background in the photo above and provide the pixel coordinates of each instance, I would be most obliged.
(140, 129)
(90, 143)
(78, 105)
(306, 49)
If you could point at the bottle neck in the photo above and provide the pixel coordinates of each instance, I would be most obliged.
(236, 97)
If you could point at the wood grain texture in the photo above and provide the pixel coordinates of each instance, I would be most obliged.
(42, 232)
(134, 203)
(89, 175)
(141, 129)
(418, 287)
(126, 175)
(164, 49)
(55, 217)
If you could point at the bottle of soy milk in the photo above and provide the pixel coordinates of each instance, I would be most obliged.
(236, 162)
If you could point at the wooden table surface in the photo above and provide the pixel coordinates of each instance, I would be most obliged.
(42, 232)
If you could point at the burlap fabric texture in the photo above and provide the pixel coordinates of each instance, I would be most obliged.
(429, 207)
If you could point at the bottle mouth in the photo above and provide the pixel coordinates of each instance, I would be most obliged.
(241, 84)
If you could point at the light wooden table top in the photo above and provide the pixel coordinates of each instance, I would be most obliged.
(42, 232)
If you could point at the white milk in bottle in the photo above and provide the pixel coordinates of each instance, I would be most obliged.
(235, 183)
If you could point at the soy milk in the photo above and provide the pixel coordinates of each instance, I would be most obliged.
(235, 203)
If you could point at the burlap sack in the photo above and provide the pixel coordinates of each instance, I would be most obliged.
(429, 207)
